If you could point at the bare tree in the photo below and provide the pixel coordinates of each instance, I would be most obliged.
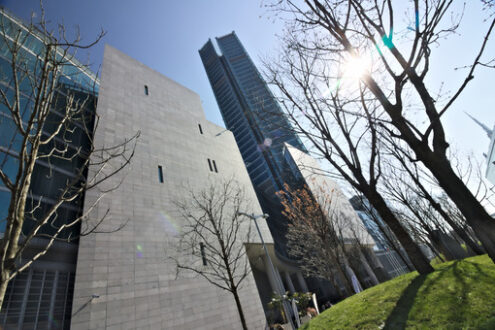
(407, 178)
(322, 237)
(348, 31)
(341, 130)
(390, 241)
(213, 236)
(49, 117)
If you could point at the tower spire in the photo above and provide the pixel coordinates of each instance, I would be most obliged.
(488, 131)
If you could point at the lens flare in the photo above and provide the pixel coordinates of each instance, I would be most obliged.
(170, 226)
(356, 67)
(139, 252)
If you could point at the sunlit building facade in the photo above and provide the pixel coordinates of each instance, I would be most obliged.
(127, 279)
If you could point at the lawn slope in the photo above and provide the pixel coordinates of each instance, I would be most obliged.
(458, 295)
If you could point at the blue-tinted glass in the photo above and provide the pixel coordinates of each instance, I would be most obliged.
(9, 166)
(10, 97)
(258, 123)
(34, 44)
(9, 136)
(4, 208)
(47, 180)
(5, 70)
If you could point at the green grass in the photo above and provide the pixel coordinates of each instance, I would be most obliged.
(457, 295)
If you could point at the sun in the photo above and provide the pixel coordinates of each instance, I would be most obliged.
(356, 67)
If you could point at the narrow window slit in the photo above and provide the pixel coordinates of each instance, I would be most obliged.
(160, 173)
(203, 255)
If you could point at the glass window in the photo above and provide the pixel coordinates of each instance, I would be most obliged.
(9, 165)
(9, 135)
(146, 90)
(4, 208)
(160, 173)
(203, 255)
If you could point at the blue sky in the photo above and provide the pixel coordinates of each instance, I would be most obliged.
(166, 36)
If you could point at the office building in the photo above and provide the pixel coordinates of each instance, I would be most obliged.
(255, 118)
(41, 296)
(273, 154)
(372, 222)
(125, 279)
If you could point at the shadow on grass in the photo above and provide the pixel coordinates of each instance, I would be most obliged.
(479, 269)
(398, 317)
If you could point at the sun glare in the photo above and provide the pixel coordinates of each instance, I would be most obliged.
(356, 67)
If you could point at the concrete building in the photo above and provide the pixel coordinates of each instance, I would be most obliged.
(124, 279)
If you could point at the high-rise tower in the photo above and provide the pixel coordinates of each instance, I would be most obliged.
(260, 128)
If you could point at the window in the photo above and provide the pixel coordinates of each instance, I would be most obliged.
(203, 255)
(212, 165)
(200, 129)
(160, 173)
(146, 90)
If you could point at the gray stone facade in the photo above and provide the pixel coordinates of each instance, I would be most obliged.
(124, 279)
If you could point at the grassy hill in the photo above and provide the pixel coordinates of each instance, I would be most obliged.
(458, 295)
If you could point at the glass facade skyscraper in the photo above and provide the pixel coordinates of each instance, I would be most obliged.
(258, 123)
(41, 296)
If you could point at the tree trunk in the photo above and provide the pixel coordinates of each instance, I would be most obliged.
(472, 245)
(476, 216)
(345, 279)
(440, 247)
(457, 229)
(239, 309)
(391, 241)
(369, 269)
(375, 264)
(359, 277)
(3, 287)
(475, 248)
(337, 287)
(415, 254)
